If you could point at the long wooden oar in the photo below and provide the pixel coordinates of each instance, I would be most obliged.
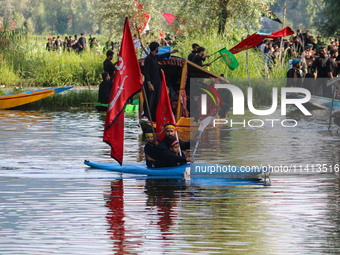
(201, 128)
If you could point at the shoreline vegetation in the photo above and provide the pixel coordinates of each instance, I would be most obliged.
(26, 64)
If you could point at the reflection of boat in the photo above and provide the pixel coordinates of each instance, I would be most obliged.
(205, 170)
(178, 72)
(10, 101)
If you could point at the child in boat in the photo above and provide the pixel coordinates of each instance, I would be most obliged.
(150, 149)
(175, 148)
(167, 157)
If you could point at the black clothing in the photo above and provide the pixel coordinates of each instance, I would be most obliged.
(168, 158)
(104, 92)
(152, 73)
(192, 55)
(198, 60)
(152, 151)
(320, 65)
(110, 68)
(81, 43)
(294, 78)
(331, 66)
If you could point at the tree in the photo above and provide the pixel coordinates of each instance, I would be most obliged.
(329, 20)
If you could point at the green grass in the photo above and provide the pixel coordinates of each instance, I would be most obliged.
(27, 65)
(65, 100)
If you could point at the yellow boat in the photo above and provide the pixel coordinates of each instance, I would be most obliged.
(10, 101)
(177, 72)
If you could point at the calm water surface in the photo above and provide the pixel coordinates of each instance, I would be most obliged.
(51, 203)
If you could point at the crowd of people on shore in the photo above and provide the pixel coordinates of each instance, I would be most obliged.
(312, 62)
(80, 44)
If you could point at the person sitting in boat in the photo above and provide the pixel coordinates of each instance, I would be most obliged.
(167, 157)
(150, 149)
(105, 89)
(175, 149)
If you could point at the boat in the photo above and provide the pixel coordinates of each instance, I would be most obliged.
(177, 72)
(187, 170)
(14, 100)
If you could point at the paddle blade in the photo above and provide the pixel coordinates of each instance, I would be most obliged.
(205, 123)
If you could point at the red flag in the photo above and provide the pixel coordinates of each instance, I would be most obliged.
(49, 36)
(127, 81)
(164, 113)
(170, 18)
(144, 18)
(255, 39)
(12, 25)
(162, 34)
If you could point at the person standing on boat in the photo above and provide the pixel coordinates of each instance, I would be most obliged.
(153, 78)
(167, 157)
(104, 91)
(191, 56)
(108, 65)
(200, 57)
(294, 78)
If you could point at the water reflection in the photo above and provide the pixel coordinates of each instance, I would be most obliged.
(51, 203)
(115, 217)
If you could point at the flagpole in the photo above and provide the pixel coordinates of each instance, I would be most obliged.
(148, 110)
(248, 68)
(215, 59)
(283, 26)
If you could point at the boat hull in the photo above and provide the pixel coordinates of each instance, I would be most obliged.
(11, 101)
(206, 170)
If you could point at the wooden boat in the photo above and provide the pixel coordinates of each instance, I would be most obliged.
(10, 101)
(177, 72)
(205, 170)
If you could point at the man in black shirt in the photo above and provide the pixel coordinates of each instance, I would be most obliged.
(108, 65)
(81, 42)
(332, 65)
(320, 71)
(195, 46)
(200, 57)
(153, 78)
(105, 89)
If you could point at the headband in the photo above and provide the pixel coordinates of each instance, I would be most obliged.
(148, 134)
(173, 143)
(169, 126)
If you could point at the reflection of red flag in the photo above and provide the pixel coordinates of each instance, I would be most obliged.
(49, 36)
(12, 25)
(164, 113)
(170, 18)
(255, 39)
(127, 81)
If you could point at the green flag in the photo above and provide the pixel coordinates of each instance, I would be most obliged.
(229, 58)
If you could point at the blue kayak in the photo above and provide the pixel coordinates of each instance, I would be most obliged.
(196, 170)
(139, 168)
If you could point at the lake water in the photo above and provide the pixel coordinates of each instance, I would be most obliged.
(51, 203)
